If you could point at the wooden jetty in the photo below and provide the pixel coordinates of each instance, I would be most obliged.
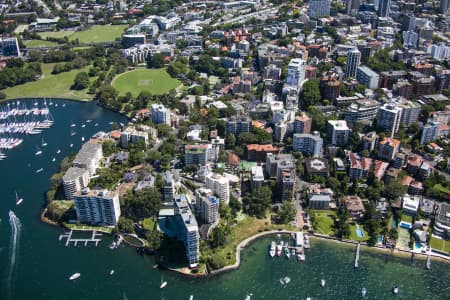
(68, 236)
(357, 256)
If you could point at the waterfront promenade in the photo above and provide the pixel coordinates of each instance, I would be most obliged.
(244, 244)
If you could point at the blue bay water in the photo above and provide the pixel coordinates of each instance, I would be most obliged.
(43, 264)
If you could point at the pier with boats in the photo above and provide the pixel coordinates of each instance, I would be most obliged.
(294, 247)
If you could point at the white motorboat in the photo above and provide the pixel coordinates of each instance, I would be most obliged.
(322, 282)
(71, 145)
(287, 252)
(163, 284)
(83, 125)
(74, 276)
(285, 280)
(96, 124)
(113, 246)
(395, 290)
(43, 143)
(279, 250)
(73, 125)
(38, 151)
(363, 292)
(53, 159)
(272, 250)
(88, 121)
(111, 272)
(64, 105)
(58, 152)
(191, 297)
(82, 138)
(39, 170)
(18, 200)
(306, 244)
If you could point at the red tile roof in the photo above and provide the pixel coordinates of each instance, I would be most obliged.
(390, 141)
(406, 181)
(267, 147)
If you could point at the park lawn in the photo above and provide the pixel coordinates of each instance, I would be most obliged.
(56, 34)
(88, 228)
(99, 34)
(155, 81)
(39, 43)
(323, 222)
(94, 34)
(354, 237)
(244, 229)
(440, 244)
(57, 86)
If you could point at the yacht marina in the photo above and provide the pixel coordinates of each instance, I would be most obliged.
(22, 118)
(296, 249)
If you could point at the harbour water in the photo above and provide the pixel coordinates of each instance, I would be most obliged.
(42, 264)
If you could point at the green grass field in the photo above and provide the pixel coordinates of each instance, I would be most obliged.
(50, 86)
(323, 222)
(407, 218)
(39, 43)
(95, 34)
(353, 236)
(439, 244)
(403, 238)
(56, 34)
(88, 228)
(148, 223)
(155, 81)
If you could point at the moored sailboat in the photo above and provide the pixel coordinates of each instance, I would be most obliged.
(18, 200)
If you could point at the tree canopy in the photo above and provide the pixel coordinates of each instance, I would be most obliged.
(155, 61)
(287, 212)
(310, 94)
(258, 201)
(143, 204)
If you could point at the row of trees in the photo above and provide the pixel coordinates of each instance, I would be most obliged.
(77, 63)
(16, 72)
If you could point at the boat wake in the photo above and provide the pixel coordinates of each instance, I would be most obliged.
(16, 226)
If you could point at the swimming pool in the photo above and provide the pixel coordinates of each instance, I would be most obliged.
(394, 223)
(359, 232)
(417, 245)
(380, 239)
(405, 225)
